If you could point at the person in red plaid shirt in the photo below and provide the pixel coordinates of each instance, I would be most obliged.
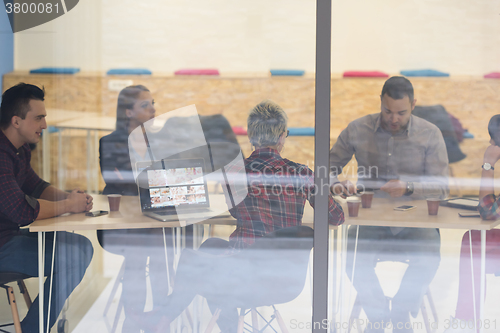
(489, 210)
(277, 191)
(277, 187)
(25, 197)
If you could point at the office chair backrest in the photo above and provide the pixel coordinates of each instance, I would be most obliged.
(273, 270)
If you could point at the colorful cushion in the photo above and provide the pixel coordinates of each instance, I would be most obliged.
(239, 130)
(129, 71)
(301, 131)
(494, 75)
(287, 72)
(191, 71)
(365, 74)
(55, 70)
(424, 72)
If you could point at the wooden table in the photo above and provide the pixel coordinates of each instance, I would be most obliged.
(382, 213)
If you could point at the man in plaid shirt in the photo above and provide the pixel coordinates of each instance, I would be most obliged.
(269, 196)
(277, 187)
(24, 198)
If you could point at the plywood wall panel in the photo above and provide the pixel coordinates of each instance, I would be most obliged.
(473, 100)
(68, 92)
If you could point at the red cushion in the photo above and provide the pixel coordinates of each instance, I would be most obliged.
(239, 130)
(365, 74)
(494, 75)
(188, 71)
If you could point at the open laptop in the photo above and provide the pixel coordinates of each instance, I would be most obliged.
(168, 188)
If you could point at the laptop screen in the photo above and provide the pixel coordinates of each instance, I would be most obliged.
(173, 183)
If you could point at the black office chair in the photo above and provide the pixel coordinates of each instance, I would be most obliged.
(272, 271)
(9, 277)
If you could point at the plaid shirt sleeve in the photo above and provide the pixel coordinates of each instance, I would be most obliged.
(34, 185)
(488, 208)
(16, 205)
(335, 211)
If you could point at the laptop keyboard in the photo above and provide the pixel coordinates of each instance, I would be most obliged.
(165, 213)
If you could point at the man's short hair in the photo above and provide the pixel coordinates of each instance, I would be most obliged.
(16, 102)
(397, 87)
(266, 122)
(494, 129)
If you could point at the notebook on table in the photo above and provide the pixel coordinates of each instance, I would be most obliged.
(168, 188)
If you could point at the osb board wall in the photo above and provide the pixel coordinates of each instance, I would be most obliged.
(473, 100)
(68, 92)
(74, 161)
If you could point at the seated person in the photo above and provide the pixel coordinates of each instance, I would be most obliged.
(135, 106)
(277, 192)
(489, 210)
(277, 187)
(26, 198)
(405, 157)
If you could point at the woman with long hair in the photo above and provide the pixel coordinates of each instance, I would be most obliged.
(135, 107)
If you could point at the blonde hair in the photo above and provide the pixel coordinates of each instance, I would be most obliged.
(266, 122)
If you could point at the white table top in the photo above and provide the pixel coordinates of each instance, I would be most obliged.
(128, 217)
(382, 213)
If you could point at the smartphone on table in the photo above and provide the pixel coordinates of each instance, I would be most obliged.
(404, 207)
(469, 214)
(96, 213)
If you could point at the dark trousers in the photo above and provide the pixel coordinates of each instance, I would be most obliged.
(200, 274)
(137, 245)
(419, 247)
(72, 257)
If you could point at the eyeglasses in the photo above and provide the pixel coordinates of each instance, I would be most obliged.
(287, 133)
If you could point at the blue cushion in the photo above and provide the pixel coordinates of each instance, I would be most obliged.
(468, 135)
(55, 70)
(301, 131)
(424, 72)
(129, 71)
(287, 72)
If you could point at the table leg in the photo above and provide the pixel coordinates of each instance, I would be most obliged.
(197, 304)
(166, 259)
(51, 280)
(342, 275)
(483, 279)
(41, 267)
(176, 238)
(182, 232)
(473, 280)
(353, 268)
(332, 281)
(177, 247)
